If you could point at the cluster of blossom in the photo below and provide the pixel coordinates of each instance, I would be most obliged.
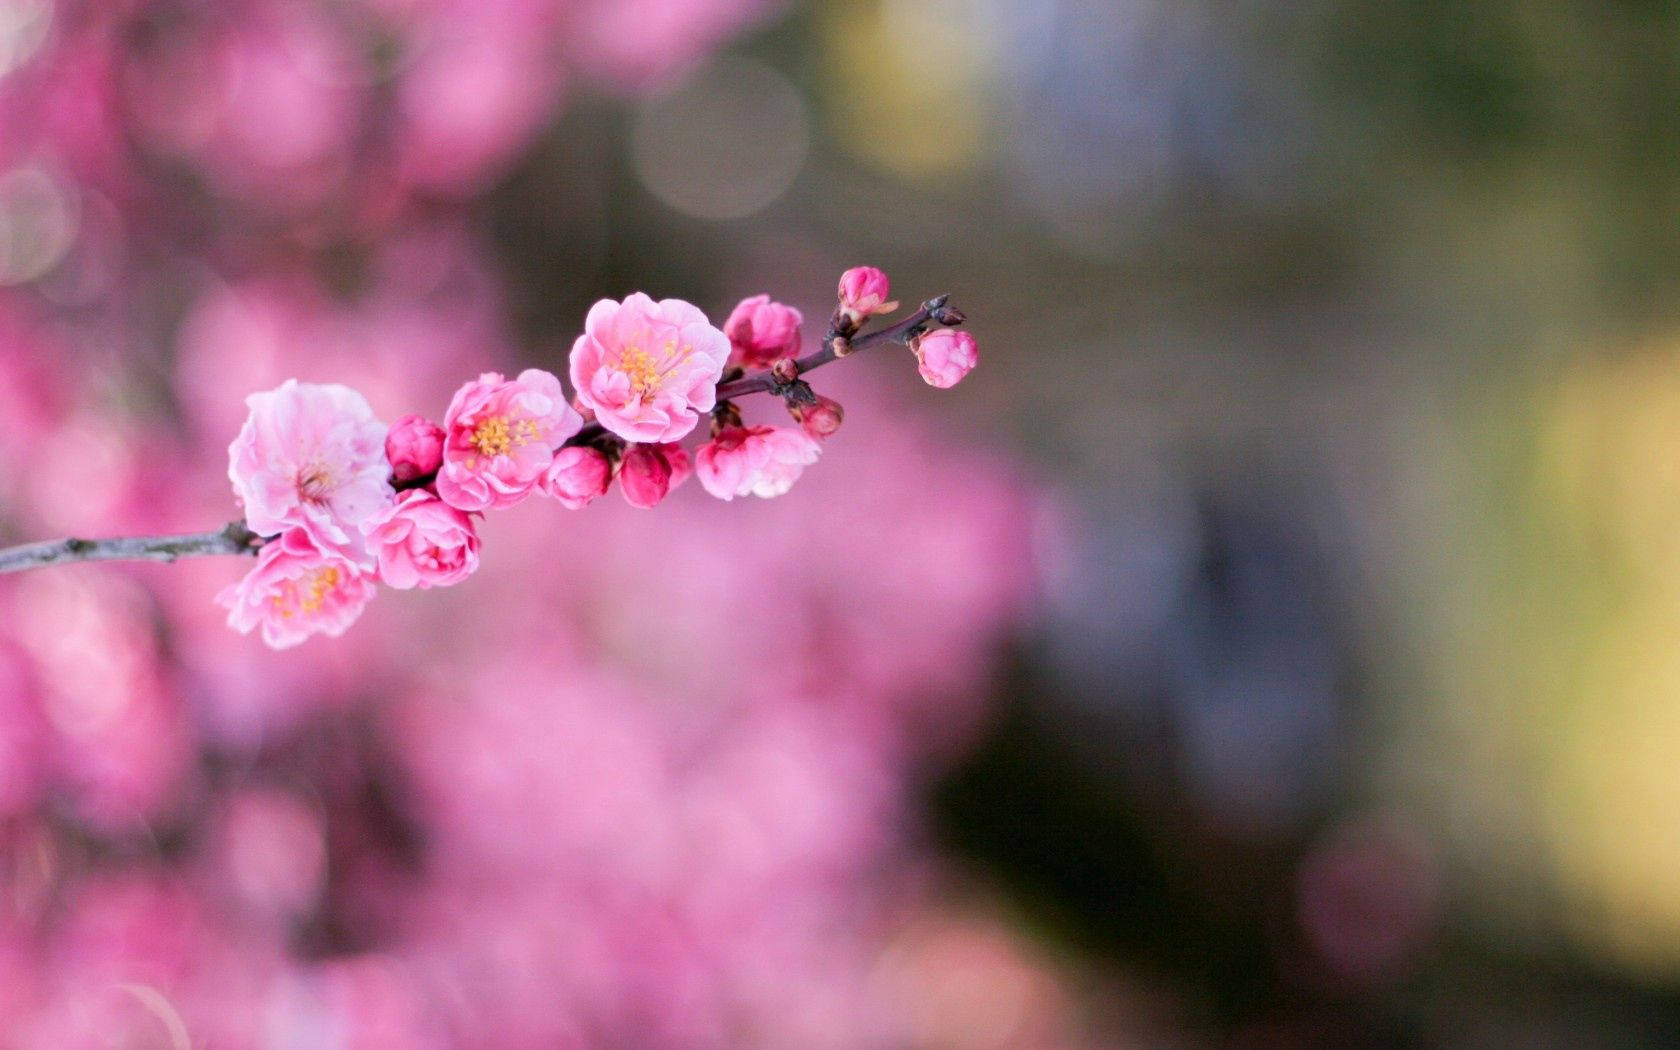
(344, 502)
(576, 817)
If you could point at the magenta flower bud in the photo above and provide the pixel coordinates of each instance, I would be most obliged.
(863, 293)
(414, 445)
(821, 419)
(945, 355)
(577, 476)
(762, 331)
(647, 473)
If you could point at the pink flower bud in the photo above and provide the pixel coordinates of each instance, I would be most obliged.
(761, 332)
(820, 420)
(577, 476)
(863, 293)
(648, 472)
(945, 355)
(414, 445)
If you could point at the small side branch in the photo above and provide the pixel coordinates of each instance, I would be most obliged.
(235, 538)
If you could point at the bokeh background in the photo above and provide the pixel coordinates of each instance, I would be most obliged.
(1272, 644)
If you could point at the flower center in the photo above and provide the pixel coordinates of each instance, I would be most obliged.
(308, 594)
(644, 372)
(314, 483)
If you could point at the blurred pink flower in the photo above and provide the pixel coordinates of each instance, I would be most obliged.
(944, 356)
(310, 456)
(414, 448)
(863, 293)
(754, 461)
(501, 438)
(762, 331)
(299, 587)
(647, 368)
(421, 541)
(577, 476)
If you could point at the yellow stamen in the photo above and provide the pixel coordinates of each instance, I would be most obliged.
(492, 436)
(644, 372)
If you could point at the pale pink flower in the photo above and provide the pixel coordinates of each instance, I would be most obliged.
(300, 587)
(755, 461)
(863, 293)
(577, 476)
(647, 473)
(762, 331)
(500, 438)
(414, 448)
(647, 369)
(945, 355)
(310, 456)
(421, 541)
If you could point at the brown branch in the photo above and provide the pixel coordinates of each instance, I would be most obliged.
(237, 539)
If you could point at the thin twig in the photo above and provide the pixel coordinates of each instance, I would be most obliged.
(235, 538)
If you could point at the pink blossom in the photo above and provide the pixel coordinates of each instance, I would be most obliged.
(649, 472)
(310, 456)
(863, 293)
(421, 541)
(414, 448)
(577, 476)
(755, 461)
(647, 369)
(820, 420)
(500, 438)
(945, 355)
(299, 587)
(761, 332)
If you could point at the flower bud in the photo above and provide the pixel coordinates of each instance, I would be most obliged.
(819, 420)
(863, 293)
(577, 476)
(945, 355)
(761, 331)
(414, 445)
(648, 472)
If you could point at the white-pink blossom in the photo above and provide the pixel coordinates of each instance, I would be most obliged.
(299, 587)
(310, 456)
